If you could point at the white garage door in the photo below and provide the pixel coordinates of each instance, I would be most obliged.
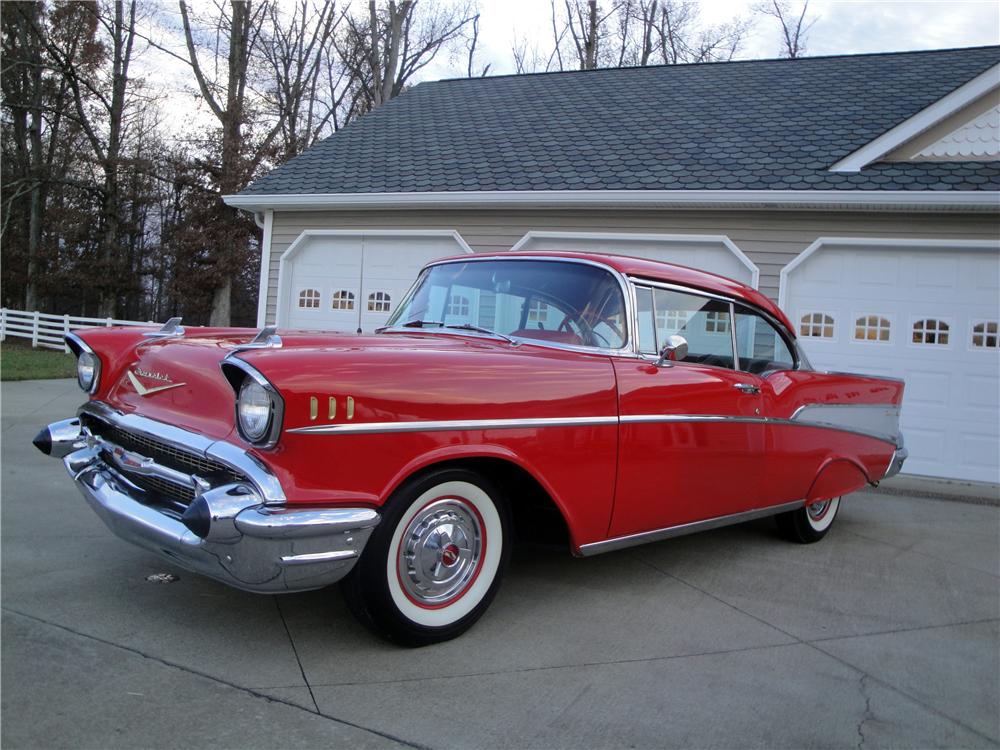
(351, 280)
(925, 312)
(714, 253)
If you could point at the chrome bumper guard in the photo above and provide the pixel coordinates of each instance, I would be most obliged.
(896, 464)
(240, 533)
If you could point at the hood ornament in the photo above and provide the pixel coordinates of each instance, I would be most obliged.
(266, 338)
(170, 329)
(143, 390)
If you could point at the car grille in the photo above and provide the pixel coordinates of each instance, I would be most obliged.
(172, 495)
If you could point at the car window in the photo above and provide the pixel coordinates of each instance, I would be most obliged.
(760, 347)
(704, 323)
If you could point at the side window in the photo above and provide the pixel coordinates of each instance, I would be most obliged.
(704, 324)
(759, 345)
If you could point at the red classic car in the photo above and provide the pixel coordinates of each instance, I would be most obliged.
(613, 400)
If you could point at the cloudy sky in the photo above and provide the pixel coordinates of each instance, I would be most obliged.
(841, 27)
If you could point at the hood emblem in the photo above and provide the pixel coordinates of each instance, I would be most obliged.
(146, 391)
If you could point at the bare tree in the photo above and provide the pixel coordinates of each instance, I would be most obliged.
(101, 99)
(633, 33)
(295, 50)
(793, 30)
(238, 30)
(384, 48)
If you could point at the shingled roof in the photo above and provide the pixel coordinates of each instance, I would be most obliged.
(748, 125)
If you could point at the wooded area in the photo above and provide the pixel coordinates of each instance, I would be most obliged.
(105, 212)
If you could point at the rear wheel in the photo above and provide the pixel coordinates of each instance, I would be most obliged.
(434, 562)
(809, 524)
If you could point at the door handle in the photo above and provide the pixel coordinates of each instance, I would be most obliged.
(746, 387)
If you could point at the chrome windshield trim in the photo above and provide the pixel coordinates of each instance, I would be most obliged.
(631, 540)
(628, 349)
(455, 424)
(224, 452)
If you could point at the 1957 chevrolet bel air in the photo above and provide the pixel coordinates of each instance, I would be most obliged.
(613, 400)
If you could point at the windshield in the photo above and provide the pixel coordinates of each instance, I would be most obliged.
(560, 302)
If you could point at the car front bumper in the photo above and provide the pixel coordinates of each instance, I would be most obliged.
(238, 532)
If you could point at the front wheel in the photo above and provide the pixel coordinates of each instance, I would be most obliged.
(434, 563)
(809, 524)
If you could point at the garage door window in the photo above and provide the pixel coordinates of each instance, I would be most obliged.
(342, 300)
(985, 335)
(816, 325)
(379, 302)
(309, 299)
(871, 328)
(930, 331)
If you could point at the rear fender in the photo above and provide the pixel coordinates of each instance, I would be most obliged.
(839, 476)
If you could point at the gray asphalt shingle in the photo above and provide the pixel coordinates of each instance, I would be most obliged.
(749, 125)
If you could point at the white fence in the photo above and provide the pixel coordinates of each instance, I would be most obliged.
(48, 330)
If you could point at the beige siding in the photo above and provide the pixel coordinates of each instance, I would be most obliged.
(769, 238)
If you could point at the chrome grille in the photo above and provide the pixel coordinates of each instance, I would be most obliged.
(179, 496)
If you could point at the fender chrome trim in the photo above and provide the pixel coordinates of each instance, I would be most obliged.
(373, 428)
(454, 424)
(631, 540)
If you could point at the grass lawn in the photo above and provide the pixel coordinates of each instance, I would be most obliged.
(18, 361)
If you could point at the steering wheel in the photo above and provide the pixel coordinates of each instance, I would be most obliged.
(587, 330)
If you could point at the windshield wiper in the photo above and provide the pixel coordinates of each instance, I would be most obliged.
(480, 329)
(411, 324)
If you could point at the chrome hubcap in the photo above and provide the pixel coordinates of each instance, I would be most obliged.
(817, 510)
(440, 551)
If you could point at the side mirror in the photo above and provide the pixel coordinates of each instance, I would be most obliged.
(674, 350)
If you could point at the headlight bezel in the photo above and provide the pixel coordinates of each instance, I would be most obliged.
(80, 348)
(239, 373)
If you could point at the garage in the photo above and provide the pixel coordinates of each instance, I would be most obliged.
(714, 253)
(352, 280)
(922, 310)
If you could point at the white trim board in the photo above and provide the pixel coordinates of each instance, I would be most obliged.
(700, 239)
(920, 122)
(834, 200)
(876, 242)
(265, 267)
(284, 277)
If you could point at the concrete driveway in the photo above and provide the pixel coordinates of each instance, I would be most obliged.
(884, 634)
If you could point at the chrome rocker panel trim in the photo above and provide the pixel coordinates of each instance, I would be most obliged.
(248, 544)
(644, 537)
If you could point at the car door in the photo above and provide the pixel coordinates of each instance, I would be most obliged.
(691, 436)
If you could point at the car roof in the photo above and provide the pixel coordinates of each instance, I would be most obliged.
(653, 270)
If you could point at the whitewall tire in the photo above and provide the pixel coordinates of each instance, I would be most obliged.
(811, 523)
(435, 561)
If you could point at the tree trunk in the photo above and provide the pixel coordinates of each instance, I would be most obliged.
(222, 303)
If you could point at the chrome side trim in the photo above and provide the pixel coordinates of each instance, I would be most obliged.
(865, 375)
(513, 424)
(454, 424)
(631, 540)
(232, 455)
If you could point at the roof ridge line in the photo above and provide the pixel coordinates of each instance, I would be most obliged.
(847, 55)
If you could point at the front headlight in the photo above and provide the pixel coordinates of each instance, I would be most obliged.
(255, 409)
(86, 370)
